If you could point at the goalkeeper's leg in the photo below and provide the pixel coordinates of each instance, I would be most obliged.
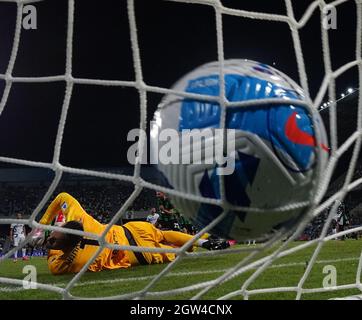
(175, 237)
(179, 239)
(147, 235)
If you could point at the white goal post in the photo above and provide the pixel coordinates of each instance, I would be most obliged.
(251, 261)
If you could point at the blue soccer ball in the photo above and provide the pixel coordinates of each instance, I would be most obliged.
(276, 149)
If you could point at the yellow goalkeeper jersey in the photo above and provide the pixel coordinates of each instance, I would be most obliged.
(144, 233)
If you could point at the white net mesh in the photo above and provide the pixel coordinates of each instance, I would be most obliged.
(252, 260)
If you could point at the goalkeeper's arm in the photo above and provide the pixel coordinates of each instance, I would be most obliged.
(71, 209)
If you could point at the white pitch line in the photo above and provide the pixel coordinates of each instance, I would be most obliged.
(177, 274)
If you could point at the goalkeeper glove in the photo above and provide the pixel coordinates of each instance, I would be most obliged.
(38, 237)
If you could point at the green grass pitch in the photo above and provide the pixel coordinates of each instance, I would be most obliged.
(285, 272)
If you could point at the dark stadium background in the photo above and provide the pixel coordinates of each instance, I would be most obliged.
(174, 38)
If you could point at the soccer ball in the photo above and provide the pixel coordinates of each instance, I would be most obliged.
(274, 150)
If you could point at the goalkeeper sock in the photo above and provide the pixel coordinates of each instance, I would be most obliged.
(24, 252)
(16, 254)
(200, 242)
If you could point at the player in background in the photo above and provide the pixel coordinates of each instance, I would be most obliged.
(167, 217)
(343, 219)
(69, 253)
(153, 217)
(184, 223)
(17, 236)
(334, 224)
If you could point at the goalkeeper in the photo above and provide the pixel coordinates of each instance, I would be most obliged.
(69, 253)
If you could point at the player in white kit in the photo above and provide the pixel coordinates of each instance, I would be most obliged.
(17, 235)
(153, 217)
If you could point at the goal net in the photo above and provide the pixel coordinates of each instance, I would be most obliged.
(250, 263)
